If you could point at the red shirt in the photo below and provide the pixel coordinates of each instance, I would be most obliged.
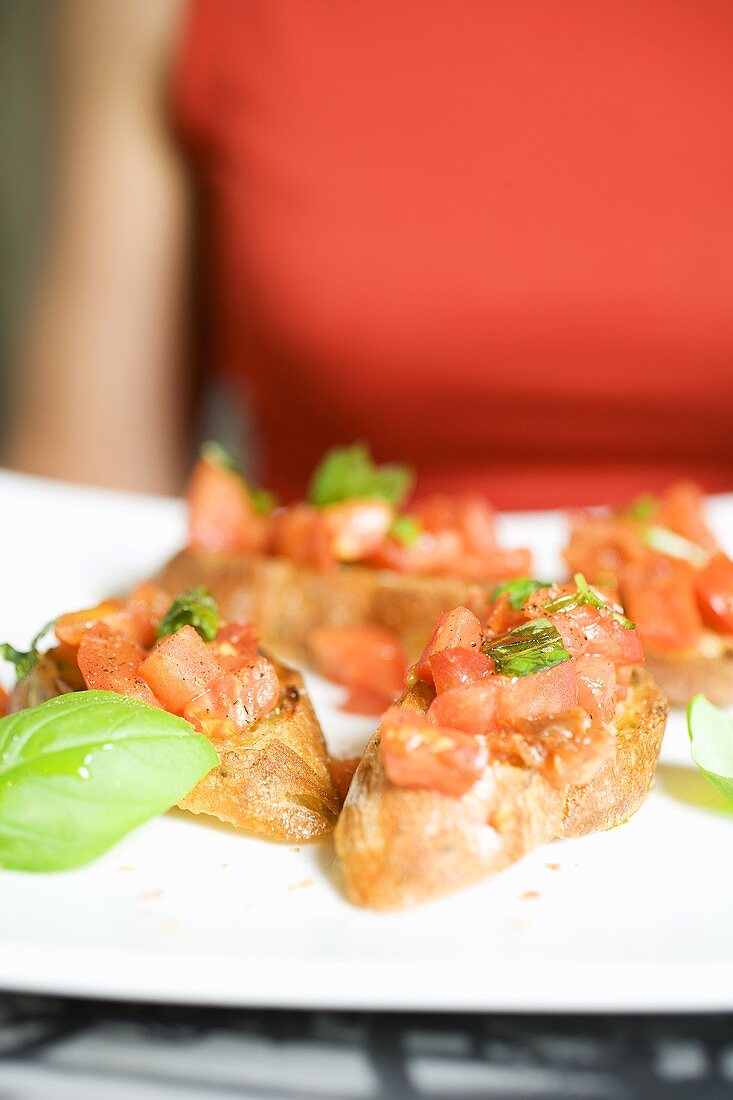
(491, 237)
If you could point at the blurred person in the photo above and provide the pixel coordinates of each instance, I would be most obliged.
(492, 237)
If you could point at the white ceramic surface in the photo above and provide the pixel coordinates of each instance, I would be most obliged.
(635, 919)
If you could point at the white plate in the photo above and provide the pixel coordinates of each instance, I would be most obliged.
(635, 919)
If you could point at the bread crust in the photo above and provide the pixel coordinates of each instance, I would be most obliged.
(288, 600)
(273, 780)
(684, 674)
(400, 847)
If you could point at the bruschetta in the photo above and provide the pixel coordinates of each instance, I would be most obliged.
(348, 557)
(675, 581)
(273, 777)
(537, 724)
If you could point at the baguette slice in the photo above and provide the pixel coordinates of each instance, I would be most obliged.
(400, 847)
(707, 669)
(288, 600)
(274, 782)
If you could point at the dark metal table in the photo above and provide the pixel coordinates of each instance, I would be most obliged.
(57, 1049)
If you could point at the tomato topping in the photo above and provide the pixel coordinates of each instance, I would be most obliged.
(455, 629)
(235, 645)
(564, 748)
(221, 514)
(661, 601)
(234, 700)
(596, 686)
(417, 754)
(180, 667)
(301, 534)
(453, 668)
(109, 662)
(714, 588)
(682, 509)
(357, 527)
(120, 618)
(151, 602)
(4, 701)
(364, 657)
(342, 772)
(498, 701)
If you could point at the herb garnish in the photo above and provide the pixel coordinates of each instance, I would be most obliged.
(531, 647)
(518, 590)
(25, 661)
(672, 545)
(406, 529)
(584, 594)
(196, 608)
(348, 472)
(216, 453)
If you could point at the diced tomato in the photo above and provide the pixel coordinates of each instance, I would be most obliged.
(235, 700)
(362, 656)
(502, 617)
(67, 667)
(714, 588)
(235, 645)
(222, 517)
(683, 511)
(4, 701)
(180, 667)
(151, 602)
(564, 748)
(606, 636)
(417, 754)
(118, 617)
(361, 701)
(455, 629)
(357, 527)
(342, 772)
(600, 545)
(497, 701)
(596, 686)
(301, 534)
(109, 662)
(452, 668)
(661, 601)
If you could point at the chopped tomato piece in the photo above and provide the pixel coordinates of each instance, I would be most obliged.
(417, 754)
(362, 656)
(68, 673)
(498, 701)
(109, 662)
(222, 517)
(661, 601)
(301, 534)
(235, 700)
(118, 617)
(361, 701)
(502, 617)
(357, 527)
(453, 668)
(596, 686)
(151, 602)
(683, 511)
(564, 748)
(342, 772)
(606, 636)
(714, 588)
(600, 545)
(4, 701)
(180, 667)
(455, 629)
(235, 645)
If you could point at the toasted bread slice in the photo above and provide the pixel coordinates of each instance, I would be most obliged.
(708, 669)
(274, 781)
(399, 847)
(288, 600)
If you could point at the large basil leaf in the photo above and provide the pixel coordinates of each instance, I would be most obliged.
(711, 735)
(80, 771)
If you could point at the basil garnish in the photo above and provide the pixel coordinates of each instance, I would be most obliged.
(348, 472)
(711, 742)
(81, 770)
(673, 545)
(528, 648)
(518, 590)
(196, 608)
(644, 507)
(584, 594)
(25, 661)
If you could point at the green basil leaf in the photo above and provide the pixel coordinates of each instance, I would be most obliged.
(80, 771)
(711, 737)
(518, 590)
(25, 661)
(349, 472)
(406, 529)
(528, 648)
(263, 501)
(673, 545)
(196, 608)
